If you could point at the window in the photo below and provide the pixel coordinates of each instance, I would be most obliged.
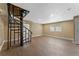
(52, 28)
(55, 28)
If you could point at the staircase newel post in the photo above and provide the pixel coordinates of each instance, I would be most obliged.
(21, 28)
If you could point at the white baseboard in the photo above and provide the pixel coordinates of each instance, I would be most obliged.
(61, 37)
(37, 36)
(2, 45)
(75, 42)
(64, 38)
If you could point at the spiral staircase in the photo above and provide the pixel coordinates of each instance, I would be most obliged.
(18, 34)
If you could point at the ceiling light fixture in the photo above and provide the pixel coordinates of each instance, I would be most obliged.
(69, 9)
(39, 19)
(51, 15)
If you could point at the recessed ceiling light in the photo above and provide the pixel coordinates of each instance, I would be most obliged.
(69, 9)
(51, 15)
(39, 19)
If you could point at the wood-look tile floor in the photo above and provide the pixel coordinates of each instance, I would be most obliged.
(44, 46)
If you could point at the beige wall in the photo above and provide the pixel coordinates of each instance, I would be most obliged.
(35, 28)
(3, 19)
(67, 30)
(1, 31)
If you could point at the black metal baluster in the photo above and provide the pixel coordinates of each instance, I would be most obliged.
(8, 27)
(10, 36)
(18, 34)
(25, 35)
(14, 23)
(28, 35)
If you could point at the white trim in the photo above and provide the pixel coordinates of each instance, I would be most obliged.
(64, 38)
(74, 42)
(2, 45)
(60, 37)
(36, 35)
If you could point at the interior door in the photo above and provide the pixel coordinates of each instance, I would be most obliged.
(76, 40)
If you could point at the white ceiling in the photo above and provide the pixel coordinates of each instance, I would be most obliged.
(50, 12)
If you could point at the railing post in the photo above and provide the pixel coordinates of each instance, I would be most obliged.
(8, 27)
(21, 29)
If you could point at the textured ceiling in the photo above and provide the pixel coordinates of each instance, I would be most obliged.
(50, 12)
